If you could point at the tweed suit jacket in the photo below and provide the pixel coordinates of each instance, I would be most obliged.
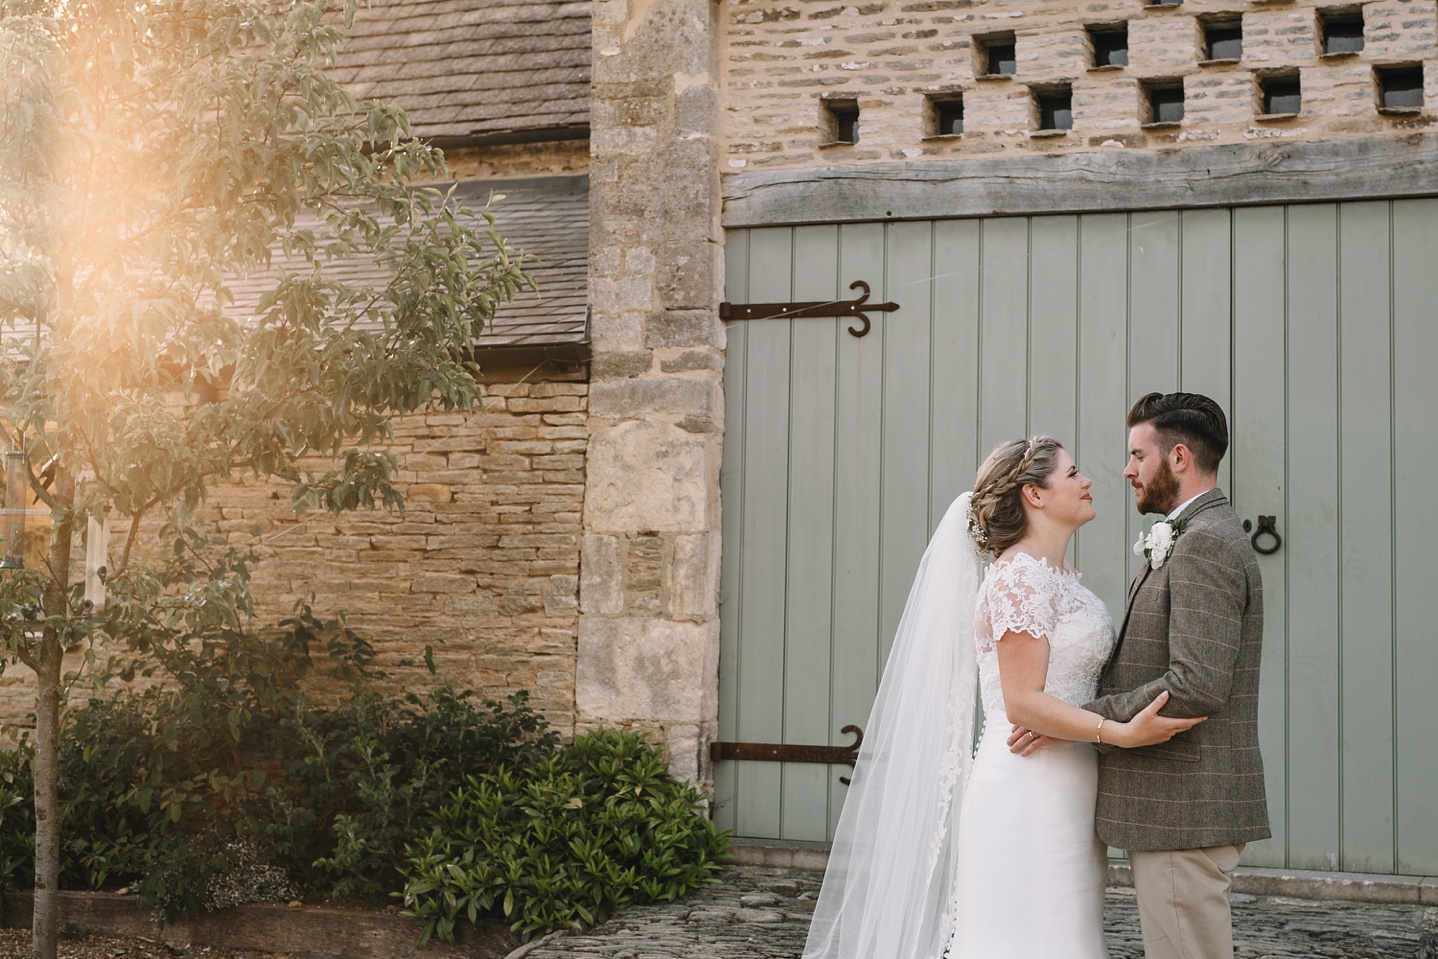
(1194, 627)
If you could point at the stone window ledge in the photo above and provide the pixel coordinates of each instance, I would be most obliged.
(941, 137)
(1275, 117)
(1400, 111)
(1046, 134)
(1162, 125)
(994, 77)
(1107, 68)
(1337, 55)
(834, 144)
(1221, 62)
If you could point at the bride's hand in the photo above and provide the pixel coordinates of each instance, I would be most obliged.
(1148, 727)
(1026, 742)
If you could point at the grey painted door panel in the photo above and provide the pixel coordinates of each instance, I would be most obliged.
(1315, 326)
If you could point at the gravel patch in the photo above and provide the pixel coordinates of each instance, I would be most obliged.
(762, 912)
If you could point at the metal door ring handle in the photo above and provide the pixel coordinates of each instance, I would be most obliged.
(1267, 525)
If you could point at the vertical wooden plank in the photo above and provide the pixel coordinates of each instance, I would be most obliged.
(1003, 332)
(731, 487)
(1102, 546)
(1153, 301)
(1153, 351)
(1415, 463)
(1053, 326)
(1365, 516)
(766, 478)
(809, 577)
(857, 457)
(905, 477)
(1257, 425)
(954, 371)
(1206, 300)
(1311, 537)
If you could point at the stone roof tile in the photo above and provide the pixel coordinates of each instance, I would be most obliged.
(502, 65)
(545, 217)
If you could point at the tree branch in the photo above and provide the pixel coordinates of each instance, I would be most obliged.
(23, 654)
(130, 538)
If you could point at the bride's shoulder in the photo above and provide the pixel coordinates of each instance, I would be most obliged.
(1019, 564)
(1021, 571)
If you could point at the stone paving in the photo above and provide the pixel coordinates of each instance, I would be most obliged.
(762, 912)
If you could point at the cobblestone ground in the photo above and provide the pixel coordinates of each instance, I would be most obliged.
(762, 912)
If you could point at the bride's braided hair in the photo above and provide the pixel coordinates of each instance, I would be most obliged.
(996, 514)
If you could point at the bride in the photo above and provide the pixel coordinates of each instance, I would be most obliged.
(943, 850)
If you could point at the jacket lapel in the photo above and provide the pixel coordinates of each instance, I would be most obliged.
(1213, 497)
(1138, 582)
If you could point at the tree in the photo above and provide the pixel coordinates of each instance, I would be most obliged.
(156, 156)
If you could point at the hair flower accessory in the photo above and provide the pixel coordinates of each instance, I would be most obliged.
(1156, 546)
(976, 529)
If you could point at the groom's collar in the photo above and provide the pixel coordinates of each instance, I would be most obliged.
(1178, 510)
(1200, 502)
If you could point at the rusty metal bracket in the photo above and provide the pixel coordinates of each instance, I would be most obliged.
(790, 753)
(858, 308)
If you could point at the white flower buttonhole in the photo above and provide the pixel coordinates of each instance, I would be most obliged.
(1156, 546)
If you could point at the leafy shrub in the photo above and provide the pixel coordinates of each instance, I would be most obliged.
(397, 760)
(224, 776)
(585, 831)
(223, 783)
(17, 816)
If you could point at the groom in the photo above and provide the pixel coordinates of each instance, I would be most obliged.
(1194, 624)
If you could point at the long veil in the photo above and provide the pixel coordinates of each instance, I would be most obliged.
(887, 886)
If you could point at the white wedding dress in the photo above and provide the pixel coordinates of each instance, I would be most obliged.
(943, 854)
(1030, 874)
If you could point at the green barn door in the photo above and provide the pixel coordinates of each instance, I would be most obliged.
(1314, 325)
(1334, 349)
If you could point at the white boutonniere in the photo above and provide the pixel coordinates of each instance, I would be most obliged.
(1156, 546)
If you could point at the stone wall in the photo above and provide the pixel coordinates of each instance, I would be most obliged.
(483, 565)
(649, 627)
(892, 58)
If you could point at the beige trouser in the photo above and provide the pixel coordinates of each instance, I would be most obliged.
(1183, 901)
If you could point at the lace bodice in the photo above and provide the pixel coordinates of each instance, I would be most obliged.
(1025, 594)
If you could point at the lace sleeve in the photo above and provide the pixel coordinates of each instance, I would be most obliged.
(1018, 596)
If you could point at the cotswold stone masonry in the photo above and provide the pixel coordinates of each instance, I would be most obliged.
(891, 58)
(482, 566)
(649, 620)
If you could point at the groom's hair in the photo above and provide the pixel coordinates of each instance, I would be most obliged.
(1188, 418)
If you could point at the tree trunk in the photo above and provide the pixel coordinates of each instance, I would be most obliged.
(46, 928)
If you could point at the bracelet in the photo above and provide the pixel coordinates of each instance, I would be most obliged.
(1098, 733)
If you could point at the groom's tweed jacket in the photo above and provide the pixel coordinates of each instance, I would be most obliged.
(1194, 627)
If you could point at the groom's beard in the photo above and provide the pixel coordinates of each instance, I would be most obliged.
(1160, 493)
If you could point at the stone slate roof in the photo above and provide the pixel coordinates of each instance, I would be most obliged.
(466, 68)
(547, 217)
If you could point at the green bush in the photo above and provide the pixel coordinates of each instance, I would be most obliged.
(393, 762)
(17, 816)
(585, 831)
(226, 770)
(223, 784)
